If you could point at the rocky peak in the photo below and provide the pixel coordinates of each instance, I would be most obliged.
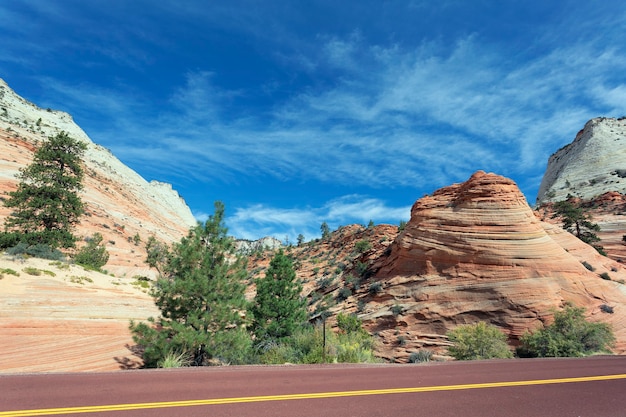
(120, 204)
(594, 163)
(476, 252)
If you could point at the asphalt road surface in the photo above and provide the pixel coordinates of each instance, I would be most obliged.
(593, 386)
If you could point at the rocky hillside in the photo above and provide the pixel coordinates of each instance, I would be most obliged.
(471, 251)
(593, 164)
(59, 317)
(592, 169)
(120, 204)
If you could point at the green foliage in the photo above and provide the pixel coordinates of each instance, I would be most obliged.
(158, 254)
(478, 341)
(32, 271)
(362, 269)
(39, 250)
(401, 225)
(606, 276)
(278, 307)
(9, 271)
(348, 323)
(80, 280)
(306, 346)
(375, 288)
(362, 246)
(396, 309)
(422, 355)
(588, 266)
(46, 203)
(300, 239)
(325, 231)
(344, 293)
(569, 335)
(577, 221)
(174, 360)
(200, 293)
(93, 255)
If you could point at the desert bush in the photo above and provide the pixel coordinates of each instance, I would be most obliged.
(588, 266)
(606, 309)
(32, 271)
(362, 246)
(93, 255)
(9, 271)
(478, 341)
(174, 360)
(422, 355)
(396, 309)
(348, 323)
(606, 276)
(375, 288)
(344, 293)
(569, 335)
(37, 251)
(306, 346)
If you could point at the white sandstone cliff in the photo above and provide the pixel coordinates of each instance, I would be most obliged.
(594, 163)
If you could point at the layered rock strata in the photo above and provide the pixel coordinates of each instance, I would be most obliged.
(475, 251)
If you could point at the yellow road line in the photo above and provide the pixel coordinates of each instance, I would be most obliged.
(286, 397)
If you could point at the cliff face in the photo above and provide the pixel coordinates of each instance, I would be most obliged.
(594, 163)
(476, 251)
(120, 204)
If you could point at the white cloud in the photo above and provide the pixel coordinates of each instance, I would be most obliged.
(393, 114)
(258, 220)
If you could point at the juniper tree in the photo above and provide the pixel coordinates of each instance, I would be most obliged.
(278, 308)
(46, 203)
(200, 292)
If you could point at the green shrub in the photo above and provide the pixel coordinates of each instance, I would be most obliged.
(375, 288)
(174, 360)
(478, 341)
(569, 335)
(306, 346)
(37, 251)
(93, 255)
(344, 293)
(80, 280)
(422, 355)
(606, 309)
(32, 271)
(362, 246)
(588, 266)
(348, 323)
(606, 276)
(396, 309)
(9, 271)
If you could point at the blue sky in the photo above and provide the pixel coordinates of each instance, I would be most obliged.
(298, 112)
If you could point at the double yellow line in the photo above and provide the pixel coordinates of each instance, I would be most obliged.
(287, 397)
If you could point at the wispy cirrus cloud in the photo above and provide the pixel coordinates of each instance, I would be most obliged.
(257, 220)
(344, 108)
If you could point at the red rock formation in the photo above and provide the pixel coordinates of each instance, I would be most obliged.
(476, 251)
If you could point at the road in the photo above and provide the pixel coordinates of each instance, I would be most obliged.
(531, 387)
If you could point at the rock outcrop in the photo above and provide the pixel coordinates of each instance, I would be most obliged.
(594, 163)
(476, 251)
(120, 204)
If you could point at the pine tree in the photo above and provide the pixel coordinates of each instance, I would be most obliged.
(325, 231)
(578, 222)
(46, 202)
(200, 293)
(278, 308)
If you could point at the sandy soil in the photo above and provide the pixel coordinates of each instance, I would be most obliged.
(59, 317)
